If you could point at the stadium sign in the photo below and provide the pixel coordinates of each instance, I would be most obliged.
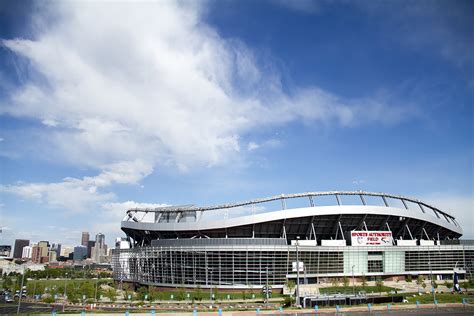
(371, 238)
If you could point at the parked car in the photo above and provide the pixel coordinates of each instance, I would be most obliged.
(8, 299)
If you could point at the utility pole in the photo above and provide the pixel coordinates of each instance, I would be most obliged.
(210, 283)
(353, 286)
(432, 284)
(96, 286)
(297, 273)
(65, 293)
(21, 291)
(266, 287)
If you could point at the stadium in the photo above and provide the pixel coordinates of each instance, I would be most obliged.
(314, 237)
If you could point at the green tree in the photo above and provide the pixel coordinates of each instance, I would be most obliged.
(345, 282)
(198, 293)
(364, 281)
(379, 285)
(181, 294)
(111, 294)
(419, 281)
(142, 291)
(409, 279)
(335, 282)
(7, 282)
(290, 284)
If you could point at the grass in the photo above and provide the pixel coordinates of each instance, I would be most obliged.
(349, 290)
(440, 297)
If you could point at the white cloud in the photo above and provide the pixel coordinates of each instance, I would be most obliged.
(82, 195)
(153, 81)
(252, 146)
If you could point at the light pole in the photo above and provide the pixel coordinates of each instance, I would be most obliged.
(96, 286)
(210, 283)
(266, 287)
(431, 281)
(297, 273)
(21, 291)
(65, 293)
(353, 286)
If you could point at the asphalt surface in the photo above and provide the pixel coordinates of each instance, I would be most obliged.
(29, 308)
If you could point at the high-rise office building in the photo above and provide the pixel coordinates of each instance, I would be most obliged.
(85, 239)
(27, 252)
(56, 248)
(18, 249)
(80, 253)
(66, 250)
(40, 252)
(90, 245)
(99, 251)
(100, 240)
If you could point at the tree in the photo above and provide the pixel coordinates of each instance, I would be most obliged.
(335, 282)
(409, 279)
(111, 294)
(142, 291)
(290, 284)
(198, 293)
(448, 284)
(419, 281)
(345, 282)
(364, 281)
(7, 282)
(379, 285)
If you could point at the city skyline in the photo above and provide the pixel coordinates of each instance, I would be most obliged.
(105, 107)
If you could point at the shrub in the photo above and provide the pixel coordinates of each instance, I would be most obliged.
(409, 279)
(289, 301)
(48, 299)
(345, 282)
(379, 285)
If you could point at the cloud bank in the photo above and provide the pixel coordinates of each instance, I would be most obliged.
(126, 89)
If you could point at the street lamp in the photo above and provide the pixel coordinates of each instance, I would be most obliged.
(297, 273)
(353, 286)
(96, 286)
(65, 293)
(266, 287)
(431, 281)
(210, 283)
(21, 290)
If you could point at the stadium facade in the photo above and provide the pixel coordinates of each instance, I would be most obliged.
(253, 243)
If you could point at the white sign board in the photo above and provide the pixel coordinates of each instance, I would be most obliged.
(371, 238)
(300, 266)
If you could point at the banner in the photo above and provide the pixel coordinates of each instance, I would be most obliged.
(371, 238)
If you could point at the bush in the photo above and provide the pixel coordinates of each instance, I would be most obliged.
(345, 282)
(48, 299)
(448, 284)
(379, 285)
(364, 281)
(409, 279)
(289, 301)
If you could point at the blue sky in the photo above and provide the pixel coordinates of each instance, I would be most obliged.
(106, 106)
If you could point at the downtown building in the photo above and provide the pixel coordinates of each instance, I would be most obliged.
(332, 234)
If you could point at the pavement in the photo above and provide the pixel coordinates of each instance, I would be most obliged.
(396, 310)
